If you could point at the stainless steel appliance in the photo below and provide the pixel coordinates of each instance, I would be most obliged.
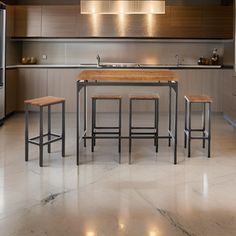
(2, 60)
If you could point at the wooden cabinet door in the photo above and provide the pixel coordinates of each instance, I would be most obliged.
(201, 82)
(218, 21)
(186, 21)
(11, 86)
(59, 21)
(10, 21)
(28, 21)
(234, 98)
(228, 93)
(61, 83)
(31, 83)
(212, 84)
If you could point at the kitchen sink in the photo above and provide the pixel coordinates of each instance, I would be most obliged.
(119, 65)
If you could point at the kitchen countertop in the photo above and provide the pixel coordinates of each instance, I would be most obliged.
(122, 66)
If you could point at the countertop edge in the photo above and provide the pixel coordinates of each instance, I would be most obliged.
(186, 67)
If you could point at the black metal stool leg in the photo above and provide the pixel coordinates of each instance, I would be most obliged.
(209, 130)
(185, 124)
(26, 133)
(95, 121)
(189, 128)
(85, 115)
(41, 138)
(93, 124)
(157, 123)
(49, 128)
(170, 115)
(204, 125)
(63, 129)
(130, 129)
(120, 126)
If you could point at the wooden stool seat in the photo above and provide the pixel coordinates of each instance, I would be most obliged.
(107, 97)
(144, 97)
(44, 138)
(198, 98)
(44, 101)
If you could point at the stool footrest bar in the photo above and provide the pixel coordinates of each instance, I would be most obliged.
(51, 134)
(106, 132)
(106, 127)
(143, 133)
(56, 138)
(143, 128)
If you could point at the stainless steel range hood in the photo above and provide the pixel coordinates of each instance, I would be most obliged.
(123, 7)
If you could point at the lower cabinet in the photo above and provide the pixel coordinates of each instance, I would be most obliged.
(62, 83)
(229, 95)
(31, 83)
(11, 86)
(201, 82)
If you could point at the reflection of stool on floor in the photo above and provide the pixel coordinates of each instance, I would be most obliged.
(51, 137)
(141, 134)
(206, 133)
(95, 128)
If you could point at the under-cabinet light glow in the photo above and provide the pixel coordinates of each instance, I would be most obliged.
(122, 7)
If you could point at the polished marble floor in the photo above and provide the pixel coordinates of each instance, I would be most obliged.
(151, 197)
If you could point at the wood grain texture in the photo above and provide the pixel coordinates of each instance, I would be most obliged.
(28, 21)
(229, 98)
(107, 97)
(44, 101)
(199, 98)
(31, 83)
(144, 97)
(10, 21)
(128, 75)
(59, 21)
(11, 87)
(61, 83)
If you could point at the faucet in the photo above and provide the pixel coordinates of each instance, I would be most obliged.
(98, 60)
(179, 60)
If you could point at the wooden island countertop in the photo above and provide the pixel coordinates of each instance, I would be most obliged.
(128, 75)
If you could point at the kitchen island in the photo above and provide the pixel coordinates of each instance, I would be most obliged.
(105, 78)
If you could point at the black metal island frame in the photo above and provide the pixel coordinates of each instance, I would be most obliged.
(117, 77)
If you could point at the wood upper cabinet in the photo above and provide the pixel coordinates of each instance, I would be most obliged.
(182, 21)
(27, 21)
(202, 21)
(218, 21)
(186, 21)
(59, 21)
(10, 21)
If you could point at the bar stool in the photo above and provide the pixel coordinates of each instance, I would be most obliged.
(96, 130)
(206, 133)
(51, 137)
(141, 134)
